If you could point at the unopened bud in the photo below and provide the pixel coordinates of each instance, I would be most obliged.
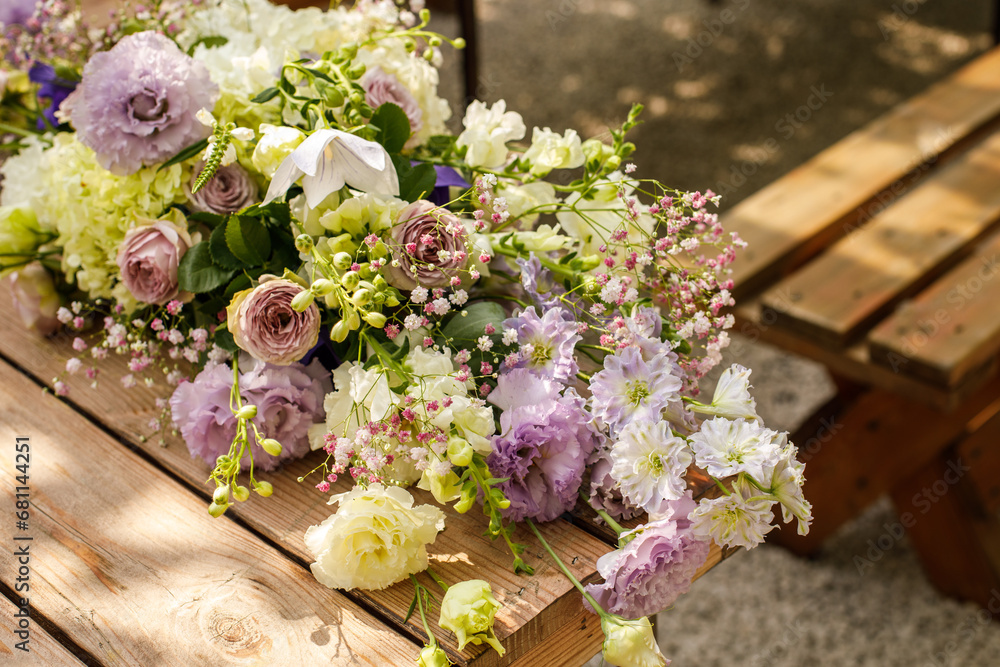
(338, 334)
(264, 489)
(303, 243)
(459, 451)
(379, 283)
(241, 493)
(271, 446)
(375, 319)
(361, 297)
(221, 495)
(350, 280)
(322, 287)
(342, 261)
(465, 504)
(217, 510)
(247, 412)
(302, 300)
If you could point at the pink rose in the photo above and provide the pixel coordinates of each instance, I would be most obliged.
(381, 87)
(264, 324)
(230, 190)
(429, 243)
(149, 256)
(35, 298)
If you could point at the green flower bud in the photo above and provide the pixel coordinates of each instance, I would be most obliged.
(342, 261)
(302, 300)
(468, 609)
(264, 489)
(630, 642)
(303, 243)
(586, 263)
(357, 72)
(433, 656)
(379, 298)
(221, 495)
(379, 283)
(241, 493)
(222, 460)
(350, 280)
(459, 451)
(375, 319)
(338, 334)
(271, 446)
(362, 297)
(322, 287)
(614, 161)
(217, 510)
(247, 412)
(392, 301)
(458, 43)
(334, 97)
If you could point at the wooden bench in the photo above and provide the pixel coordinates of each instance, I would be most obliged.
(127, 567)
(879, 258)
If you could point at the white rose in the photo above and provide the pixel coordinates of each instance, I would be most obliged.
(550, 151)
(487, 132)
(276, 143)
(376, 538)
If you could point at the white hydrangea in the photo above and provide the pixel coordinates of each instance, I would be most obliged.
(487, 132)
(649, 463)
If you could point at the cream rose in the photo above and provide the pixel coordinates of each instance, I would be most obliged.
(376, 538)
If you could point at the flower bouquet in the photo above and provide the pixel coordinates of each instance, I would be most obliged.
(264, 210)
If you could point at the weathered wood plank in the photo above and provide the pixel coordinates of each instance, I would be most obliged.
(43, 649)
(837, 296)
(135, 573)
(460, 552)
(795, 217)
(981, 451)
(949, 329)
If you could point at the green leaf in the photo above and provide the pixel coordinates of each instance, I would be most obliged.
(210, 42)
(224, 339)
(393, 127)
(414, 182)
(185, 154)
(265, 95)
(198, 274)
(248, 240)
(473, 325)
(238, 284)
(221, 254)
(213, 220)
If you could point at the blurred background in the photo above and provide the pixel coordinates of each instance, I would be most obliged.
(724, 85)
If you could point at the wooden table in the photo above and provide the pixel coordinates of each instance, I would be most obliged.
(878, 258)
(128, 568)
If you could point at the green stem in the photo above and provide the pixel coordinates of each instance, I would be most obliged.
(721, 486)
(11, 129)
(437, 579)
(420, 607)
(565, 570)
(614, 525)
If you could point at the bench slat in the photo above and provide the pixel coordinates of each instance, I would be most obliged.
(135, 573)
(950, 328)
(861, 277)
(794, 218)
(43, 647)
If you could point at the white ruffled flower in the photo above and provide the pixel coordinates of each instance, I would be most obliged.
(785, 482)
(487, 132)
(740, 519)
(732, 397)
(649, 463)
(544, 238)
(359, 396)
(725, 447)
(549, 150)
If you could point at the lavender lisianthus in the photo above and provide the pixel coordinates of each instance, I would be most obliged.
(631, 388)
(289, 400)
(537, 282)
(137, 102)
(543, 447)
(604, 492)
(230, 190)
(546, 343)
(656, 567)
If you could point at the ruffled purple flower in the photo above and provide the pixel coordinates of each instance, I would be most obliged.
(604, 492)
(546, 343)
(544, 444)
(17, 11)
(52, 92)
(656, 567)
(289, 400)
(631, 388)
(137, 102)
(537, 282)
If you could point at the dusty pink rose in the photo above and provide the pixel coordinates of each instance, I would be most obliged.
(381, 87)
(149, 256)
(230, 190)
(263, 323)
(429, 243)
(35, 298)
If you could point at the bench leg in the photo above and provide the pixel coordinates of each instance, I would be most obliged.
(957, 541)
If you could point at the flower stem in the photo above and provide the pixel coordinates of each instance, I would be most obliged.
(565, 570)
(437, 579)
(614, 525)
(418, 591)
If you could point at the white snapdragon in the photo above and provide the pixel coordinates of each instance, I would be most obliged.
(487, 132)
(276, 143)
(649, 463)
(725, 447)
(544, 238)
(785, 482)
(549, 150)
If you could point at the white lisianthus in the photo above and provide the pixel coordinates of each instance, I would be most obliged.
(785, 484)
(487, 132)
(445, 487)
(649, 463)
(359, 396)
(550, 151)
(740, 519)
(523, 198)
(473, 420)
(732, 397)
(375, 538)
(630, 643)
(276, 143)
(599, 212)
(725, 447)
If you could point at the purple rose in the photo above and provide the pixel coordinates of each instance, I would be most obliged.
(230, 190)
(289, 400)
(35, 298)
(429, 244)
(543, 446)
(137, 102)
(656, 567)
(149, 256)
(264, 323)
(381, 87)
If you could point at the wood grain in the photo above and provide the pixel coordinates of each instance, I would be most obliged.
(794, 218)
(43, 649)
(981, 451)
(838, 295)
(949, 329)
(135, 573)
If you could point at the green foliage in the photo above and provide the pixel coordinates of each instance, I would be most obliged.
(197, 272)
(186, 154)
(415, 182)
(392, 125)
(248, 240)
(210, 42)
